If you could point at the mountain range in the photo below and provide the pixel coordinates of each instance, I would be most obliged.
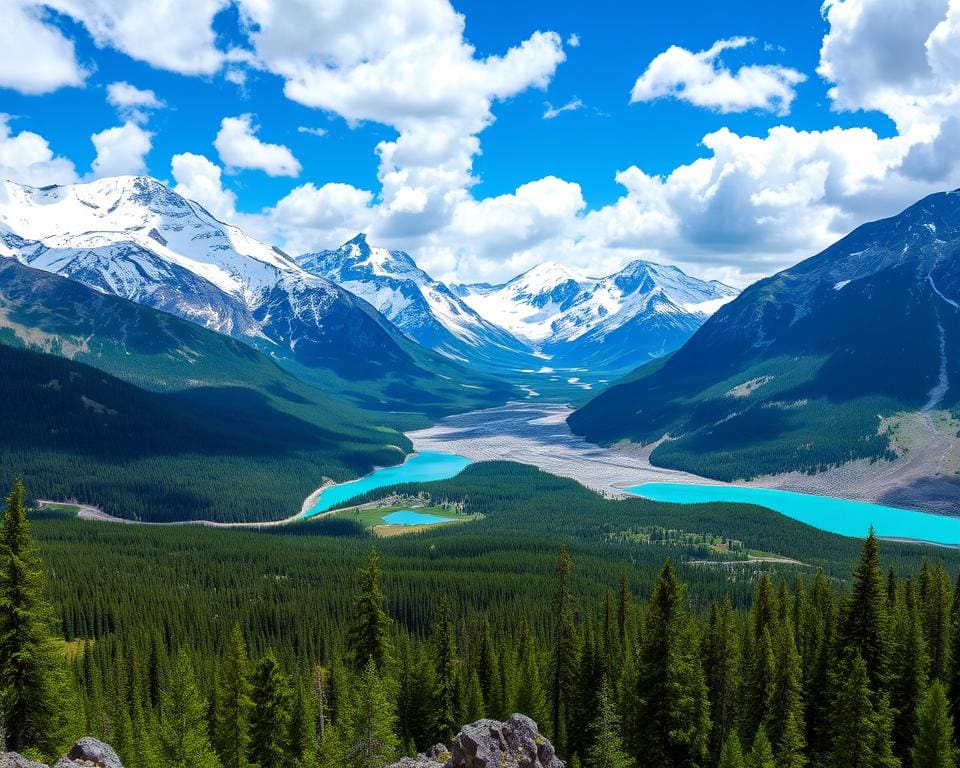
(851, 354)
(132, 237)
(549, 315)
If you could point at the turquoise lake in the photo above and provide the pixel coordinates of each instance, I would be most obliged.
(421, 468)
(847, 518)
(409, 517)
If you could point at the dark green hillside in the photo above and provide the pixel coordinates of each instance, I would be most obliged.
(799, 370)
(211, 452)
(158, 351)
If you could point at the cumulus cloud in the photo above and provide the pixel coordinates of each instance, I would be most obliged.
(239, 147)
(371, 61)
(133, 104)
(27, 158)
(702, 80)
(551, 111)
(176, 35)
(201, 180)
(574, 40)
(25, 36)
(121, 150)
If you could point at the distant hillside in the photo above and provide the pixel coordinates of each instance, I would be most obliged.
(174, 422)
(814, 366)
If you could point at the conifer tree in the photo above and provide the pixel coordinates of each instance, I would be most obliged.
(368, 633)
(954, 687)
(721, 661)
(855, 720)
(761, 753)
(936, 622)
(270, 715)
(933, 741)
(415, 686)
(909, 667)
(674, 719)
(759, 685)
(787, 725)
(302, 740)
(234, 704)
(623, 608)
(606, 749)
(32, 669)
(184, 741)
(473, 707)
(864, 625)
(369, 738)
(488, 672)
(817, 632)
(563, 662)
(531, 698)
(446, 703)
(731, 755)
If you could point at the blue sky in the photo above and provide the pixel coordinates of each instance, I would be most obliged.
(475, 180)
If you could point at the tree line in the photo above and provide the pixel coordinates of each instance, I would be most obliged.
(810, 674)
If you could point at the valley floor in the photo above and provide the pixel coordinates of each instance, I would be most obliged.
(537, 434)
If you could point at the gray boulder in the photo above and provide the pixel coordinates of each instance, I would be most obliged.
(516, 743)
(15, 760)
(86, 753)
(90, 753)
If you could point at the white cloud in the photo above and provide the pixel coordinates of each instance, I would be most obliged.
(551, 111)
(35, 57)
(311, 131)
(239, 147)
(121, 150)
(132, 103)
(406, 65)
(702, 80)
(176, 35)
(574, 40)
(26, 158)
(200, 180)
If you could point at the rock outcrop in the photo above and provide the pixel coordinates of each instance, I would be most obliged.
(86, 753)
(516, 743)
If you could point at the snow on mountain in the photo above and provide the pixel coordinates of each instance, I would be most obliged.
(651, 308)
(426, 310)
(133, 237)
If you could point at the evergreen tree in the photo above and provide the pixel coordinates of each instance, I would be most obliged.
(817, 637)
(933, 741)
(184, 741)
(531, 698)
(674, 719)
(270, 715)
(446, 701)
(368, 634)
(787, 726)
(234, 704)
(759, 685)
(864, 626)
(721, 661)
(936, 622)
(369, 739)
(855, 720)
(954, 688)
(415, 686)
(32, 669)
(302, 740)
(471, 697)
(606, 750)
(761, 753)
(731, 755)
(488, 672)
(623, 608)
(563, 662)
(909, 667)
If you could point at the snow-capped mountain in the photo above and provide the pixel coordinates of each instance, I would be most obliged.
(426, 310)
(644, 311)
(133, 237)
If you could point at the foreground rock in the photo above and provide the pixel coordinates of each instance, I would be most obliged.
(516, 743)
(86, 753)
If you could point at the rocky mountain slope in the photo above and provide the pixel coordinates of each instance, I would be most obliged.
(612, 323)
(426, 310)
(814, 367)
(131, 236)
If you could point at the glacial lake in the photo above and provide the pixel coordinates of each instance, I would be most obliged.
(847, 518)
(409, 517)
(419, 468)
